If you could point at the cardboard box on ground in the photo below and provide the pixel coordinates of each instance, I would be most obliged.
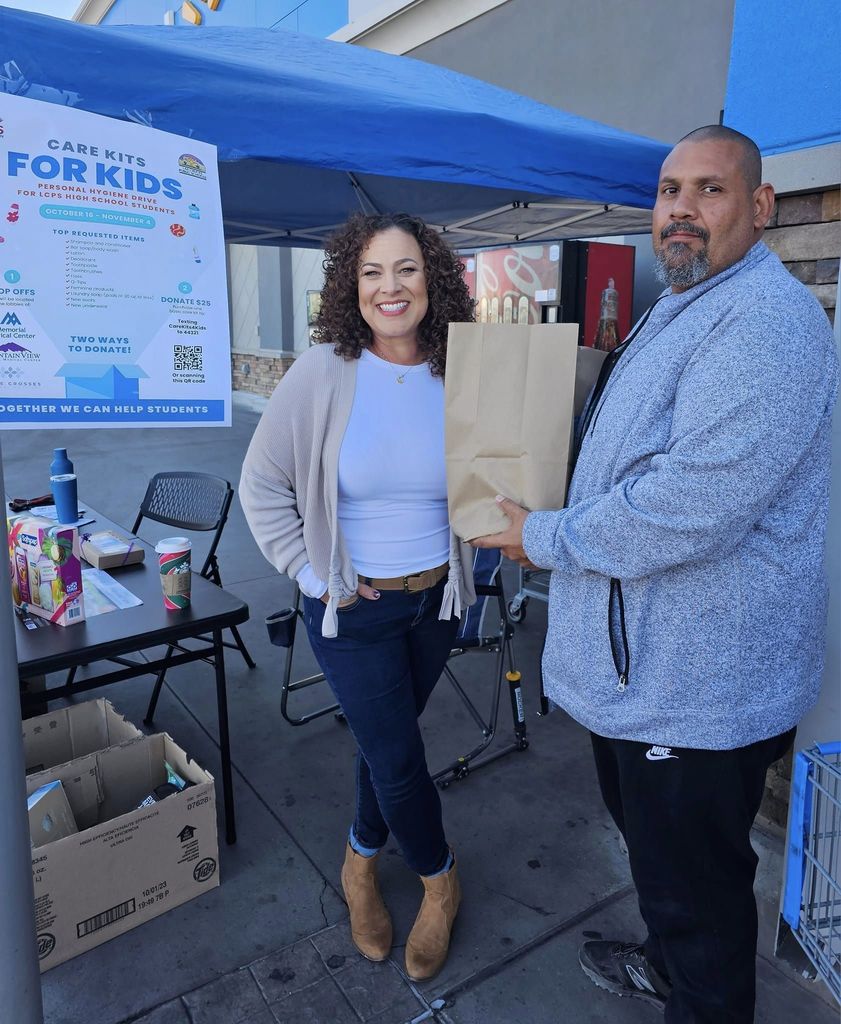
(512, 393)
(126, 864)
(72, 732)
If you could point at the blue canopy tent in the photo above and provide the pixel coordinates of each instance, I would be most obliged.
(309, 130)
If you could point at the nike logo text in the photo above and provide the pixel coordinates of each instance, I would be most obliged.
(659, 754)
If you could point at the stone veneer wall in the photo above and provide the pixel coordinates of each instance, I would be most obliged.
(257, 372)
(805, 232)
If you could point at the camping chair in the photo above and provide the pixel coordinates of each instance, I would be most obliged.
(484, 629)
(190, 501)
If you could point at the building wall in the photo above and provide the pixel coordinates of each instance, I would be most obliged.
(307, 275)
(398, 26)
(622, 64)
(258, 372)
(805, 232)
(358, 9)
(244, 300)
(312, 17)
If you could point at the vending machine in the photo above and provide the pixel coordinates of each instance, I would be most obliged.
(587, 270)
(553, 283)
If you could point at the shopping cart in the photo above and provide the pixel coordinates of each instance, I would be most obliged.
(812, 895)
(533, 583)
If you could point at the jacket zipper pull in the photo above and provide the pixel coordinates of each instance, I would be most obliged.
(623, 683)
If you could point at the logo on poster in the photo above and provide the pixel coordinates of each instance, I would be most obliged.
(14, 376)
(12, 350)
(189, 164)
(10, 320)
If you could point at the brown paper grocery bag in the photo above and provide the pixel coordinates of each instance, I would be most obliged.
(511, 392)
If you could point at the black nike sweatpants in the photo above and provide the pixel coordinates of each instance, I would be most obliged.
(686, 817)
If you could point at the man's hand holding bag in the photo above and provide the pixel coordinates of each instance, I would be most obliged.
(511, 394)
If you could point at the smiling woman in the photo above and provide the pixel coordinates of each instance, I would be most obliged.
(392, 296)
(365, 262)
(344, 488)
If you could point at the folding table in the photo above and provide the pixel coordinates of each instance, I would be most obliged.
(112, 636)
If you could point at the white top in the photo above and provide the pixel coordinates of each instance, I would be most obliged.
(392, 501)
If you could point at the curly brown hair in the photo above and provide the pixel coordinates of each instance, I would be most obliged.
(339, 320)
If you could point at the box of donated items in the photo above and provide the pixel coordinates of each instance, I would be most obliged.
(107, 549)
(68, 733)
(118, 836)
(45, 569)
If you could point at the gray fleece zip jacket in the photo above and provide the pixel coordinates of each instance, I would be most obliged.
(702, 486)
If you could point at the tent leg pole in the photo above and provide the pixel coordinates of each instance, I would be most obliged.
(20, 979)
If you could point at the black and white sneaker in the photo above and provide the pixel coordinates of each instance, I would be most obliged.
(621, 968)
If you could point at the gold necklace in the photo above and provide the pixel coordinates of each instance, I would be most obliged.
(401, 377)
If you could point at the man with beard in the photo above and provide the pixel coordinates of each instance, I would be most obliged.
(687, 601)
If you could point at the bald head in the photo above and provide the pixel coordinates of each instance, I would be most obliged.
(750, 159)
(711, 206)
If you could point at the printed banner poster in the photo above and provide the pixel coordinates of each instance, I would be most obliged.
(113, 293)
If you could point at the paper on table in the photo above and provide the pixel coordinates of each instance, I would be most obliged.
(49, 512)
(104, 594)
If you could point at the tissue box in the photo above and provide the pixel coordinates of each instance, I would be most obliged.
(46, 569)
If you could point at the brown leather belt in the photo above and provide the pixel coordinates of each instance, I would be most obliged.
(412, 584)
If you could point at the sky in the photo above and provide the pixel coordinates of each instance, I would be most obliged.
(55, 8)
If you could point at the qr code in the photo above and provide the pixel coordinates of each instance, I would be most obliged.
(187, 357)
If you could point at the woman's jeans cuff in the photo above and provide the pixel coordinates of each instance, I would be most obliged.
(363, 851)
(448, 863)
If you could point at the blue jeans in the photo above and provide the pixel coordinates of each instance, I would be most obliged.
(382, 667)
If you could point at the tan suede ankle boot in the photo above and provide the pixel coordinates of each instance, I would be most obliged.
(370, 924)
(429, 940)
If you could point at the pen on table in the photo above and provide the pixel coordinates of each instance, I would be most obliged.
(26, 618)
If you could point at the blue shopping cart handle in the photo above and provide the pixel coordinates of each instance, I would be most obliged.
(799, 825)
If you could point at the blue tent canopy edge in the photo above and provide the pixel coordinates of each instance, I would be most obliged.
(308, 129)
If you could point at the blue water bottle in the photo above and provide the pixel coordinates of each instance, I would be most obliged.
(60, 464)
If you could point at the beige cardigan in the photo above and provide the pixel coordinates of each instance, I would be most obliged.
(289, 484)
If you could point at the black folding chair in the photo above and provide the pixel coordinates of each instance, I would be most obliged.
(190, 501)
(485, 628)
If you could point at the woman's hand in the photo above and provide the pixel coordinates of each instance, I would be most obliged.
(363, 590)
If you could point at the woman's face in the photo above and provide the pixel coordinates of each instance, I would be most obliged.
(392, 286)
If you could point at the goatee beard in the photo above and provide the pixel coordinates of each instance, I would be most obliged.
(678, 265)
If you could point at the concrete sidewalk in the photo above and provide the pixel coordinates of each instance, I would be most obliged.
(538, 855)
